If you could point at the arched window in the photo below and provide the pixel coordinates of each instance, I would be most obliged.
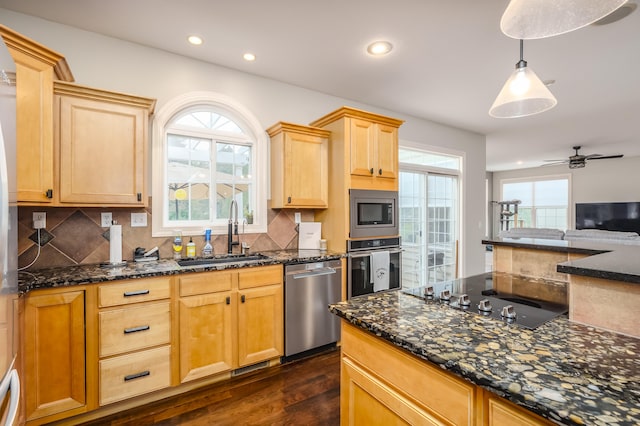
(208, 151)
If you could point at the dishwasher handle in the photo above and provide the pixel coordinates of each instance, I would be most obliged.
(314, 273)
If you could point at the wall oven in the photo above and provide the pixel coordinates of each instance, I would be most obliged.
(373, 213)
(373, 265)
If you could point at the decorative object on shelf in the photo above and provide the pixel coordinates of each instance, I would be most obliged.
(533, 19)
(523, 94)
(578, 161)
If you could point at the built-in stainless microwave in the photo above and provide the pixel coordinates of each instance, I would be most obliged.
(373, 213)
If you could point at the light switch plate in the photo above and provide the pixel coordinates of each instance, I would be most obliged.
(297, 217)
(138, 220)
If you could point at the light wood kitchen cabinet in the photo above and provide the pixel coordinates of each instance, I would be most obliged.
(54, 353)
(102, 139)
(380, 381)
(366, 145)
(36, 68)
(134, 321)
(299, 166)
(229, 319)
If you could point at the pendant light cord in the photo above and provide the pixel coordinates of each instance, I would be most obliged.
(522, 63)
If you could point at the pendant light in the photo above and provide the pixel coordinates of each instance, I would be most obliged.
(523, 94)
(531, 19)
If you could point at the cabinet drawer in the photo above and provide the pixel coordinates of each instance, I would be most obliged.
(134, 291)
(260, 276)
(210, 282)
(133, 328)
(130, 375)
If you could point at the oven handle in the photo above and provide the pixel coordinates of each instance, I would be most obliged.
(356, 254)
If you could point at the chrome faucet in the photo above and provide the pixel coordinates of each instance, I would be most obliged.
(233, 227)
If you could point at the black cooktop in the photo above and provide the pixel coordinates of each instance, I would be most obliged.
(514, 299)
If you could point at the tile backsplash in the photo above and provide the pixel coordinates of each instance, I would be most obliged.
(74, 236)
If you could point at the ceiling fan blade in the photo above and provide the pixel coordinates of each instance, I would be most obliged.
(553, 163)
(604, 157)
(556, 161)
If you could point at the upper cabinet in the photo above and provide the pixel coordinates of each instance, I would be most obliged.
(76, 146)
(367, 146)
(36, 69)
(102, 142)
(299, 166)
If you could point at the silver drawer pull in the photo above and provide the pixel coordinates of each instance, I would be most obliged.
(136, 329)
(135, 293)
(137, 375)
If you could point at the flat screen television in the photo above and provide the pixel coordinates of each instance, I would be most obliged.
(609, 216)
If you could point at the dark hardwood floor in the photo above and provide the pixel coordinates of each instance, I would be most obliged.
(303, 392)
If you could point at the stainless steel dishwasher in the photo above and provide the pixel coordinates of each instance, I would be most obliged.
(309, 289)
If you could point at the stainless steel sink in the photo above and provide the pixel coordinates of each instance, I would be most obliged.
(227, 258)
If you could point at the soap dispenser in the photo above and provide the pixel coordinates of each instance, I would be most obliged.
(207, 250)
(191, 248)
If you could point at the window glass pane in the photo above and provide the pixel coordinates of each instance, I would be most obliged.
(208, 120)
(428, 159)
(188, 178)
(233, 161)
(242, 193)
(522, 191)
(552, 192)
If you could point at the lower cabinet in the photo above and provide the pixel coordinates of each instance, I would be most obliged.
(381, 385)
(229, 319)
(54, 353)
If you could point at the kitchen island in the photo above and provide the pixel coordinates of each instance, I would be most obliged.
(561, 372)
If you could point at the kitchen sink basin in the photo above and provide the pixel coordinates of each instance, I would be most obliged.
(229, 258)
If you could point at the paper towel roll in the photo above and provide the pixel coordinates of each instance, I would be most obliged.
(115, 244)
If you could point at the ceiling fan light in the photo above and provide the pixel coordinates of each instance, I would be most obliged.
(533, 19)
(523, 94)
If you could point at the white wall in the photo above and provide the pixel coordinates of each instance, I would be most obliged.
(113, 64)
(614, 180)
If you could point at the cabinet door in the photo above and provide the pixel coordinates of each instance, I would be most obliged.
(102, 152)
(366, 400)
(260, 324)
(361, 143)
(501, 412)
(54, 344)
(206, 334)
(305, 171)
(386, 152)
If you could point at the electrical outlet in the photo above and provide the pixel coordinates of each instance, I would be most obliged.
(297, 217)
(138, 219)
(106, 220)
(39, 220)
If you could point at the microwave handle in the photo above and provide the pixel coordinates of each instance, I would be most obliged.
(368, 252)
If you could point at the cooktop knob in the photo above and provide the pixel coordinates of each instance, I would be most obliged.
(508, 312)
(445, 296)
(428, 292)
(485, 305)
(464, 300)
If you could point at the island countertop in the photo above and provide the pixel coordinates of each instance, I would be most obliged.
(607, 261)
(566, 372)
(95, 273)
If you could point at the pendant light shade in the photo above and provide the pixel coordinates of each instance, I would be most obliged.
(523, 94)
(531, 19)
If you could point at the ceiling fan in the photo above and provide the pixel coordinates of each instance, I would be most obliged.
(578, 161)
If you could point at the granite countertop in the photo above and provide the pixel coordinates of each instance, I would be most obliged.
(95, 273)
(566, 372)
(607, 261)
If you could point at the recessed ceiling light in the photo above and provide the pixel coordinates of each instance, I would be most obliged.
(195, 40)
(379, 48)
(249, 57)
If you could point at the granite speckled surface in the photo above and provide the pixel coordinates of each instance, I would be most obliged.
(566, 372)
(607, 261)
(95, 273)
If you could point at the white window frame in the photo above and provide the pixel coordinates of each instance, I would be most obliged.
(229, 107)
(570, 206)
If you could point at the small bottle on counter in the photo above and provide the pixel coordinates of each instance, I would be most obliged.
(191, 248)
(207, 250)
(177, 245)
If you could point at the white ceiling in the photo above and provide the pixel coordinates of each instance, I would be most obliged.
(448, 64)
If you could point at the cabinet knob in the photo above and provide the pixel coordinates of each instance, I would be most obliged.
(228, 300)
(242, 298)
(289, 200)
(380, 172)
(371, 170)
(49, 193)
(139, 196)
